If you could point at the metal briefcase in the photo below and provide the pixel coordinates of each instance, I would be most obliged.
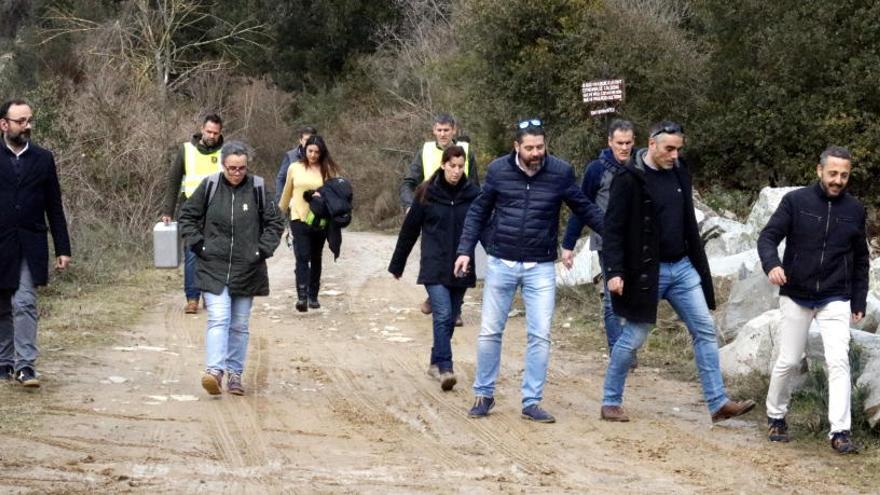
(166, 245)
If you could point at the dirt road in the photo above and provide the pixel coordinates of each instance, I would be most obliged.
(338, 402)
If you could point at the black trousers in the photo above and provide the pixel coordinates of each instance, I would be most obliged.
(308, 246)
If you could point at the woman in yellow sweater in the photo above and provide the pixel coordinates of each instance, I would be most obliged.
(303, 179)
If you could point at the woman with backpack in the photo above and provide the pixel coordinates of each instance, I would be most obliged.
(232, 229)
(438, 213)
(304, 178)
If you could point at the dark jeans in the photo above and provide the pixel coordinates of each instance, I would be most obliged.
(189, 275)
(308, 246)
(613, 328)
(446, 304)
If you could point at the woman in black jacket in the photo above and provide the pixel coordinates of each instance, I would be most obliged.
(438, 212)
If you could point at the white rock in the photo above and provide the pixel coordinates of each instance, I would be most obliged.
(749, 297)
(754, 348)
(739, 265)
(330, 293)
(768, 201)
(117, 379)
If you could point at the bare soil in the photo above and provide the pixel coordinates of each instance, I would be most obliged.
(339, 402)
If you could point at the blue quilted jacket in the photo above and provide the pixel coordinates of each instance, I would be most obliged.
(516, 217)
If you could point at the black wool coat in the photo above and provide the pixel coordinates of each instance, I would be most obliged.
(440, 221)
(27, 200)
(631, 242)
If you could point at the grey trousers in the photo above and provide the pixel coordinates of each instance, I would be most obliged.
(18, 323)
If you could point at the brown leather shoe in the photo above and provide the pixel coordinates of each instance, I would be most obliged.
(732, 409)
(614, 413)
(426, 307)
(192, 306)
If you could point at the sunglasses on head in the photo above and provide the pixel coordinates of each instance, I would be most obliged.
(670, 128)
(529, 123)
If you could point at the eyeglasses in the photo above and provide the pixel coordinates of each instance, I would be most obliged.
(529, 123)
(22, 121)
(236, 170)
(669, 128)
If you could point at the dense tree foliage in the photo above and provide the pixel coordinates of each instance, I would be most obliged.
(761, 87)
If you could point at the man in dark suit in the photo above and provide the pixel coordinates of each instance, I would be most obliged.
(29, 194)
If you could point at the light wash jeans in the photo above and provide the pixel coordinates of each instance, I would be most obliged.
(680, 285)
(226, 339)
(833, 321)
(538, 285)
(18, 323)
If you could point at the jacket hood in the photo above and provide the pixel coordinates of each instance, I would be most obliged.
(197, 142)
(439, 190)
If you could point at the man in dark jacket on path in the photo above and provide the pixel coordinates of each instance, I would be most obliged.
(596, 185)
(196, 159)
(653, 250)
(29, 194)
(291, 156)
(524, 190)
(823, 276)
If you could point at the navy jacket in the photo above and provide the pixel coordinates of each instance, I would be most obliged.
(525, 224)
(440, 221)
(632, 242)
(291, 156)
(826, 252)
(26, 201)
(596, 185)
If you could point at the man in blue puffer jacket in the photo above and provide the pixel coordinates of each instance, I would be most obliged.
(524, 190)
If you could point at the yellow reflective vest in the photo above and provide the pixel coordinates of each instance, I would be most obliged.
(197, 166)
(433, 154)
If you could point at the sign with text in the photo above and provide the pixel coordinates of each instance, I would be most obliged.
(598, 91)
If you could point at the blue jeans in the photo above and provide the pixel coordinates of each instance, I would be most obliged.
(189, 275)
(226, 338)
(18, 323)
(446, 303)
(680, 285)
(539, 295)
(613, 328)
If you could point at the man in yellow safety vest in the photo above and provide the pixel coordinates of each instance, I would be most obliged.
(427, 161)
(196, 159)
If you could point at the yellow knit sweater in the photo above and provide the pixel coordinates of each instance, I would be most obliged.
(299, 180)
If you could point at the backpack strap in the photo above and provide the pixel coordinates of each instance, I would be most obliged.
(211, 188)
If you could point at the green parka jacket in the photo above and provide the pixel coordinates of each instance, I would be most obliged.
(229, 237)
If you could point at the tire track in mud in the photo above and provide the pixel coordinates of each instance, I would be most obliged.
(234, 429)
(497, 432)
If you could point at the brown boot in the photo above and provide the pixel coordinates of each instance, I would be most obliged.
(732, 409)
(614, 413)
(426, 307)
(192, 306)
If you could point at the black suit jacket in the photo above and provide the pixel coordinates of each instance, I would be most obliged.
(27, 200)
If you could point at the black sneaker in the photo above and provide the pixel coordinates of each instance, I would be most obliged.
(482, 406)
(6, 373)
(777, 430)
(535, 413)
(841, 442)
(313, 302)
(27, 377)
